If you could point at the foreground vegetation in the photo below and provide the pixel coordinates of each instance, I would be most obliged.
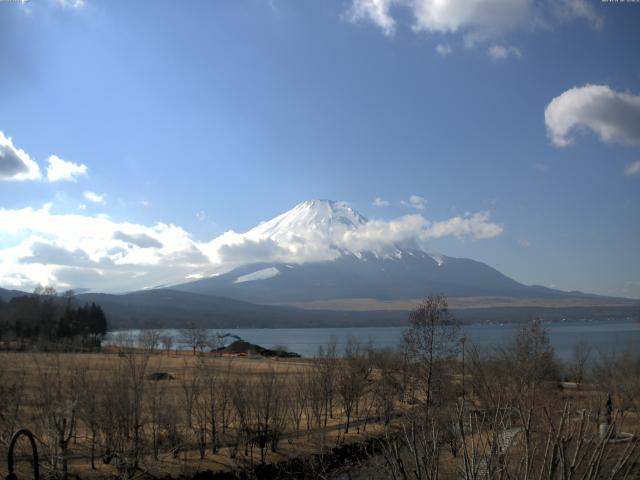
(437, 407)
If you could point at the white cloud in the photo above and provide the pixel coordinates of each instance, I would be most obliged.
(476, 20)
(72, 250)
(443, 49)
(415, 201)
(94, 197)
(376, 11)
(479, 19)
(379, 202)
(632, 168)
(501, 52)
(475, 226)
(15, 164)
(613, 116)
(97, 252)
(60, 169)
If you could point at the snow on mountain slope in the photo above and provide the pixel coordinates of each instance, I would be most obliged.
(261, 274)
(320, 230)
(317, 216)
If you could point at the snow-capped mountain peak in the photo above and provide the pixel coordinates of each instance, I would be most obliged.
(321, 216)
(323, 230)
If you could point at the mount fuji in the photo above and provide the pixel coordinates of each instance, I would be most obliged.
(322, 264)
(329, 256)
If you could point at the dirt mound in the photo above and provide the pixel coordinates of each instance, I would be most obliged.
(242, 347)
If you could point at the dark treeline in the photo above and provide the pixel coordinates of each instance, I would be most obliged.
(48, 318)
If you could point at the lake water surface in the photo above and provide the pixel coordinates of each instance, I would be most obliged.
(607, 337)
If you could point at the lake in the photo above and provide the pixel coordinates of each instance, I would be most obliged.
(607, 337)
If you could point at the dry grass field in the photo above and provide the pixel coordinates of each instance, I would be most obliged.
(101, 391)
(513, 412)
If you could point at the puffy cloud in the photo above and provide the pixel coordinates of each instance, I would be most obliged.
(501, 52)
(94, 197)
(381, 236)
(612, 116)
(60, 169)
(77, 250)
(479, 18)
(72, 250)
(475, 226)
(379, 202)
(15, 164)
(443, 49)
(415, 201)
(476, 20)
(632, 168)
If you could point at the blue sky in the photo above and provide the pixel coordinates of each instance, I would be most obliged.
(179, 121)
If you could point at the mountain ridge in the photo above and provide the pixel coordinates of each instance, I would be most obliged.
(354, 266)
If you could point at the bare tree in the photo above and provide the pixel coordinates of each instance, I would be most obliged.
(388, 386)
(326, 365)
(432, 338)
(194, 336)
(156, 406)
(353, 377)
(528, 364)
(135, 368)
(268, 412)
(190, 385)
(149, 339)
(297, 399)
(88, 405)
(578, 366)
(167, 342)
(57, 408)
